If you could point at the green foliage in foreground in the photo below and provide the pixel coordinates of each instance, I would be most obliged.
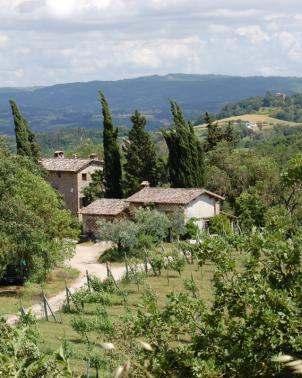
(35, 230)
(254, 315)
(20, 355)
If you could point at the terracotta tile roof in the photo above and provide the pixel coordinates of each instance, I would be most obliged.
(67, 164)
(105, 206)
(178, 196)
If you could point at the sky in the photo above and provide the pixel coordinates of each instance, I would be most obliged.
(45, 42)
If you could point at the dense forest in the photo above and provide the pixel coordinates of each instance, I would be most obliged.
(74, 105)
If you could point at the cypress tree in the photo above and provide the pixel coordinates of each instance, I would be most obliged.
(141, 157)
(25, 138)
(112, 157)
(186, 158)
(21, 131)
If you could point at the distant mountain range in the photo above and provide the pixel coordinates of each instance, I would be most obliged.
(76, 105)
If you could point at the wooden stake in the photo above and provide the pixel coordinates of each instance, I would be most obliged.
(108, 269)
(67, 296)
(88, 280)
(45, 306)
(126, 266)
(146, 264)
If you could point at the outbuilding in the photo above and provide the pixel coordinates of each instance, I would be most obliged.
(197, 203)
(105, 208)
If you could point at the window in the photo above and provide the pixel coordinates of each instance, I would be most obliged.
(59, 174)
(84, 176)
(83, 202)
(206, 224)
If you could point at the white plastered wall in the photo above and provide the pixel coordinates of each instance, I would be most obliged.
(202, 208)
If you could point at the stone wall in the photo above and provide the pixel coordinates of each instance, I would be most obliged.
(90, 226)
(67, 185)
(81, 184)
(71, 185)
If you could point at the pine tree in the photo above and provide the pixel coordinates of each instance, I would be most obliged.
(25, 138)
(112, 157)
(214, 135)
(141, 156)
(186, 158)
(230, 135)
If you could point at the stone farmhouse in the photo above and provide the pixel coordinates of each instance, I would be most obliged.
(70, 176)
(196, 203)
(105, 208)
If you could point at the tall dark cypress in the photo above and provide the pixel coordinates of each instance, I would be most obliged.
(112, 157)
(141, 156)
(21, 131)
(25, 139)
(186, 158)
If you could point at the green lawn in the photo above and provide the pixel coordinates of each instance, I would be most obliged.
(54, 333)
(13, 297)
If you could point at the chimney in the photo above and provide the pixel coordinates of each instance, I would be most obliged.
(93, 156)
(58, 154)
(145, 184)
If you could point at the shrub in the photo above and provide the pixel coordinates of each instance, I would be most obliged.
(148, 228)
(221, 225)
(152, 223)
(192, 229)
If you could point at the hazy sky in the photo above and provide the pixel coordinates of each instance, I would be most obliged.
(54, 41)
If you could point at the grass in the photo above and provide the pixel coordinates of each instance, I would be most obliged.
(55, 333)
(262, 118)
(13, 297)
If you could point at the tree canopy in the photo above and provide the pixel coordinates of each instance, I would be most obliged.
(25, 138)
(141, 156)
(186, 157)
(35, 229)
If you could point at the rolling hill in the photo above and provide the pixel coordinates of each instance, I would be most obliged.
(261, 119)
(75, 104)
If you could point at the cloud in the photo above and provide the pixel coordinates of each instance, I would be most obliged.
(52, 41)
(3, 40)
(253, 33)
(29, 6)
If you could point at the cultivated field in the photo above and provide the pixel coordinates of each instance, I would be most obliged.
(265, 120)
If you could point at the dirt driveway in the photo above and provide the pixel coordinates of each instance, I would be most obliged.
(85, 259)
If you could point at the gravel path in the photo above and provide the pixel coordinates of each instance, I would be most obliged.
(85, 259)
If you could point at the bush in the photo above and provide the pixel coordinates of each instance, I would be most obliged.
(250, 210)
(124, 233)
(152, 223)
(148, 228)
(221, 225)
(192, 229)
